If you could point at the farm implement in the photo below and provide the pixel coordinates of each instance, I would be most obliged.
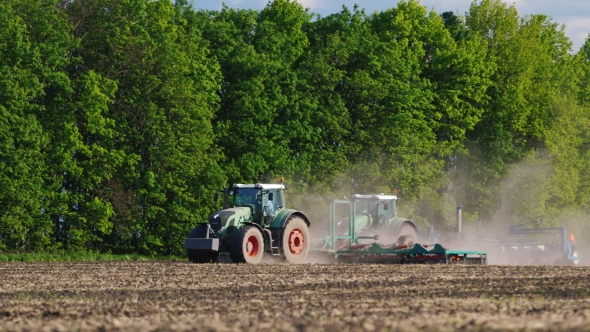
(404, 254)
(537, 245)
(525, 244)
(371, 231)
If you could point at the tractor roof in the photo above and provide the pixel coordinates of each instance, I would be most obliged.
(260, 186)
(377, 197)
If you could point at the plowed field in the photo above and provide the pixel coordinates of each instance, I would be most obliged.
(148, 296)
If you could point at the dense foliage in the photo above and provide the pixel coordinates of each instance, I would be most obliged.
(120, 119)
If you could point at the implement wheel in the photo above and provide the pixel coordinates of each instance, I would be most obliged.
(247, 246)
(406, 235)
(576, 260)
(296, 241)
(199, 256)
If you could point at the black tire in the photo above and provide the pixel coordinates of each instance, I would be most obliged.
(406, 235)
(247, 245)
(198, 256)
(296, 241)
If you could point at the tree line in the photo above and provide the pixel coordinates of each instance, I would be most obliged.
(119, 119)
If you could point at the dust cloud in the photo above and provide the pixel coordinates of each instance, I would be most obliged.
(523, 194)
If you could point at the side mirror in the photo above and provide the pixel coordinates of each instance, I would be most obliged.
(270, 196)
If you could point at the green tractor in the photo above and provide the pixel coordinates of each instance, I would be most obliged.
(369, 217)
(257, 224)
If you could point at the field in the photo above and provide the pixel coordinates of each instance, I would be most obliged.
(118, 296)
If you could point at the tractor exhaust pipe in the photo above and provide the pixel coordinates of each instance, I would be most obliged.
(458, 229)
(225, 198)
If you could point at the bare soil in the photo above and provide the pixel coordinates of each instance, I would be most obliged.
(167, 296)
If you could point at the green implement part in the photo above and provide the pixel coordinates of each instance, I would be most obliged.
(366, 228)
(405, 254)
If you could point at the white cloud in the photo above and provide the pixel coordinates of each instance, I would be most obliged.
(552, 8)
(313, 4)
(577, 29)
(232, 3)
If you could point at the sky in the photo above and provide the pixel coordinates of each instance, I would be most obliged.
(575, 14)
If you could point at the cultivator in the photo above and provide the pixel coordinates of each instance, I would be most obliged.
(404, 254)
(537, 245)
(373, 216)
(525, 244)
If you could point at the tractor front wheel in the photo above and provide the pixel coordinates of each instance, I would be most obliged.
(406, 235)
(296, 241)
(247, 246)
(199, 256)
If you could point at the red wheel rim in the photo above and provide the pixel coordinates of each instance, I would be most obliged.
(296, 241)
(252, 246)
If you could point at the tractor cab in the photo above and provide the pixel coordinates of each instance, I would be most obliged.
(380, 209)
(368, 217)
(264, 200)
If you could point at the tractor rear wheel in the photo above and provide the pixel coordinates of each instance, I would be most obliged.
(247, 245)
(198, 256)
(406, 235)
(296, 241)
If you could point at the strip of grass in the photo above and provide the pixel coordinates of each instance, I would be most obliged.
(78, 257)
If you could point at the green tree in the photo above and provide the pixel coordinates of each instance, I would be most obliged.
(267, 121)
(530, 61)
(23, 223)
(72, 114)
(161, 183)
(583, 61)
